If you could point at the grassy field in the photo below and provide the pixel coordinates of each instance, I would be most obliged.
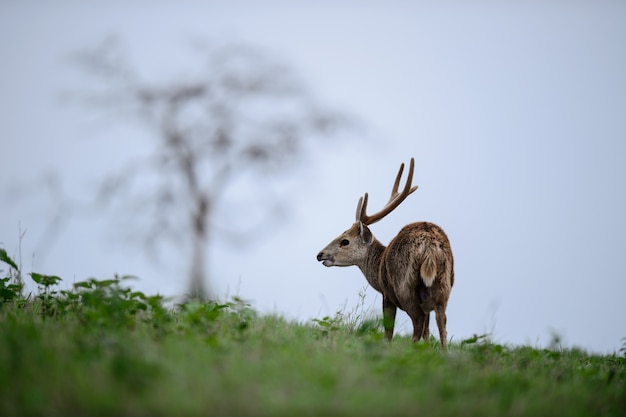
(102, 349)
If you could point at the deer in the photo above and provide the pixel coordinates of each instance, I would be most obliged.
(415, 272)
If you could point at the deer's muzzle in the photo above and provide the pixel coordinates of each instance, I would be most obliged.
(324, 259)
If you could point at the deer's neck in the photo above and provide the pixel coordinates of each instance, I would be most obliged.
(371, 264)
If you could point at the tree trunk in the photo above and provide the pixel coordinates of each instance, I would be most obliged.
(198, 288)
(197, 275)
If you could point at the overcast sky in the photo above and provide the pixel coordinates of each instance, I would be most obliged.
(515, 114)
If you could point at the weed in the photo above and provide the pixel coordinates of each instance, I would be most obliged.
(359, 321)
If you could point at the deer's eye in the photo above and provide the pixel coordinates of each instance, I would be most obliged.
(344, 242)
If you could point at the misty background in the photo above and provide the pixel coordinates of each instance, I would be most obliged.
(515, 114)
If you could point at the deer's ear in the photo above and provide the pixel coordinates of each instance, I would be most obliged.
(365, 234)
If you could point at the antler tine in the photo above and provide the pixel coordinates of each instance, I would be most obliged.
(361, 208)
(396, 184)
(407, 187)
(358, 208)
(394, 200)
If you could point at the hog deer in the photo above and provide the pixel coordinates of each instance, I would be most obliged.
(414, 273)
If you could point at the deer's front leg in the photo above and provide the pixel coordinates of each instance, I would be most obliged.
(389, 318)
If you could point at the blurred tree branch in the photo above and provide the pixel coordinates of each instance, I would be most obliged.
(244, 113)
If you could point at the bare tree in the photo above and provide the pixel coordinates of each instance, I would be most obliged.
(244, 112)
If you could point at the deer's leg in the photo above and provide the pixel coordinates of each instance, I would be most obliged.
(389, 318)
(440, 315)
(420, 325)
(426, 330)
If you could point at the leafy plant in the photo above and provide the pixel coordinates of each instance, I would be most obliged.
(8, 291)
(107, 303)
(211, 316)
(10, 285)
(4, 257)
(328, 324)
(47, 294)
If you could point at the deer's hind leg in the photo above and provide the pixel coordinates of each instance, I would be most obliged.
(420, 325)
(440, 316)
(426, 330)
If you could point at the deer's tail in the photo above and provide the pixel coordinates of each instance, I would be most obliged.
(428, 269)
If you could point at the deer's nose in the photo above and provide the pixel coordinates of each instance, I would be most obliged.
(319, 256)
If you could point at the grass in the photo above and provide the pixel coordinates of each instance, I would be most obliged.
(103, 349)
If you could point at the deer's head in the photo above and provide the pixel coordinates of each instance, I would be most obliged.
(351, 247)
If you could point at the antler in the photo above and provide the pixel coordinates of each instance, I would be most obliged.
(394, 201)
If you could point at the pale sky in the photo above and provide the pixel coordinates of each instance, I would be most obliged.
(515, 114)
